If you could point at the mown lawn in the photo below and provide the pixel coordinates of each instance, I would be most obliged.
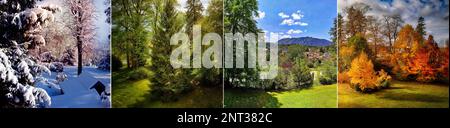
(136, 93)
(400, 95)
(320, 96)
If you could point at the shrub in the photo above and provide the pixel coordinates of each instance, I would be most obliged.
(383, 80)
(56, 67)
(301, 76)
(283, 81)
(328, 74)
(139, 74)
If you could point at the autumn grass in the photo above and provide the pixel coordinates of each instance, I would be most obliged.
(320, 96)
(399, 95)
(136, 93)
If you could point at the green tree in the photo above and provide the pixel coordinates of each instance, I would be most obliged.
(130, 36)
(239, 17)
(167, 82)
(193, 14)
(420, 28)
(212, 22)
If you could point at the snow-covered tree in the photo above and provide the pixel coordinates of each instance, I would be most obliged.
(20, 30)
(84, 29)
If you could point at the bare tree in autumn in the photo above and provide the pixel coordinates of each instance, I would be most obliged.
(391, 27)
(84, 29)
(374, 27)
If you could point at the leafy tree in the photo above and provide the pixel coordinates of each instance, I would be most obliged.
(426, 61)
(239, 17)
(362, 73)
(301, 75)
(363, 76)
(212, 22)
(405, 47)
(132, 21)
(357, 20)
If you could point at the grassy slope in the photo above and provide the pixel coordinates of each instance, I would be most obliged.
(126, 93)
(316, 97)
(399, 95)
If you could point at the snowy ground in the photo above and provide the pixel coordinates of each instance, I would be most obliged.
(76, 92)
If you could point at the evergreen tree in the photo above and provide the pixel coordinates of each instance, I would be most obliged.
(420, 28)
(212, 22)
(20, 27)
(166, 81)
(193, 14)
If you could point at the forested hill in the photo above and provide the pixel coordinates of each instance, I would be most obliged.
(307, 41)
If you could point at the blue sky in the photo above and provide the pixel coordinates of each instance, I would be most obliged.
(297, 18)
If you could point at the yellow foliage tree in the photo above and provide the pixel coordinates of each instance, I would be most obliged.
(362, 74)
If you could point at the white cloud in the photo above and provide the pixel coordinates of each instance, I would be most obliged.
(285, 36)
(291, 22)
(295, 20)
(292, 31)
(435, 12)
(297, 15)
(283, 15)
(261, 15)
(287, 22)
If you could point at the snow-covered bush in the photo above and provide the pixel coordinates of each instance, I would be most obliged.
(47, 57)
(68, 57)
(56, 67)
(20, 23)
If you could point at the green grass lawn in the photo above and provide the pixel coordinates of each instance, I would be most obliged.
(399, 95)
(320, 96)
(136, 93)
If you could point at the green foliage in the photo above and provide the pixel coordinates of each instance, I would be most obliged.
(130, 33)
(328, 73)
(139, 74)
(239, 17)
(167, 82)
(420, 28)
(301, 75)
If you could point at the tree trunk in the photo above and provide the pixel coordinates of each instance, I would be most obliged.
(80, 55)
(80, 45)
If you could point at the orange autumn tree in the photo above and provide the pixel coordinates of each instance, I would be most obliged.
(405, 48)
(426, 62)
(363, 76)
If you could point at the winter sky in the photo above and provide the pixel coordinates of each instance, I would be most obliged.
(297, 18)
(103, 28)
(435, 12)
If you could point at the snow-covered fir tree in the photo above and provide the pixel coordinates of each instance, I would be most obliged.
(21, 23)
